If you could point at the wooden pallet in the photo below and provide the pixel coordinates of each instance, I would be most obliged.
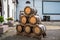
(31, 35)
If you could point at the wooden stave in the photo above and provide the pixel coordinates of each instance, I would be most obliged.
(34, 11)
(38, 19)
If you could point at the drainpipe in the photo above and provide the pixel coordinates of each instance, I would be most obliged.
(33, 3)
(16, 10)
(7, 8)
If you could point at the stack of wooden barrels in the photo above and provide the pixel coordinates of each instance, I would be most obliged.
(29, 23)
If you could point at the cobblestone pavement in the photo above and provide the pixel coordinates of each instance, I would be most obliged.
(53, 33)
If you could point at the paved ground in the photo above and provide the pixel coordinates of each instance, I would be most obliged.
(53, 33)
(51, 23)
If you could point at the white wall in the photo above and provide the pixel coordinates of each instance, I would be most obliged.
(54, 17)
(5, 10)
(21, 5)
(12, 9)
(38, 6)
(52, 8)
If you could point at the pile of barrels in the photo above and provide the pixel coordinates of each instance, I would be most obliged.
(29, 23)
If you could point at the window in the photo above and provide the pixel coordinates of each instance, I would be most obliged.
(51, 8)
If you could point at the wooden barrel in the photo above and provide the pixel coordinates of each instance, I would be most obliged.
(32, 20)
(23, 19)
(38, 19)
(27, 29)
(19, 28)
(37, 30)
(27, 10)
(34, 11)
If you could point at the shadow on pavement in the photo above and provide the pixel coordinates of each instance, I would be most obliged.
(51, 35)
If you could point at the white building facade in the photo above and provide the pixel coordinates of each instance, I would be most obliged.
(8, 8)
(38, 4)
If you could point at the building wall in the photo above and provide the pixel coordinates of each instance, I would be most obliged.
(51, 0)
(22, 4)
(20, 7)
(38, 6)
(12, 9)
(5, 10)
(52, 9)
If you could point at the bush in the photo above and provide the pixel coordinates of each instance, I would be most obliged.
(9, 19)
(1, 19)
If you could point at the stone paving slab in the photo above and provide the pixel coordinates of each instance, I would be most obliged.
(53, 33)
(51, 23)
